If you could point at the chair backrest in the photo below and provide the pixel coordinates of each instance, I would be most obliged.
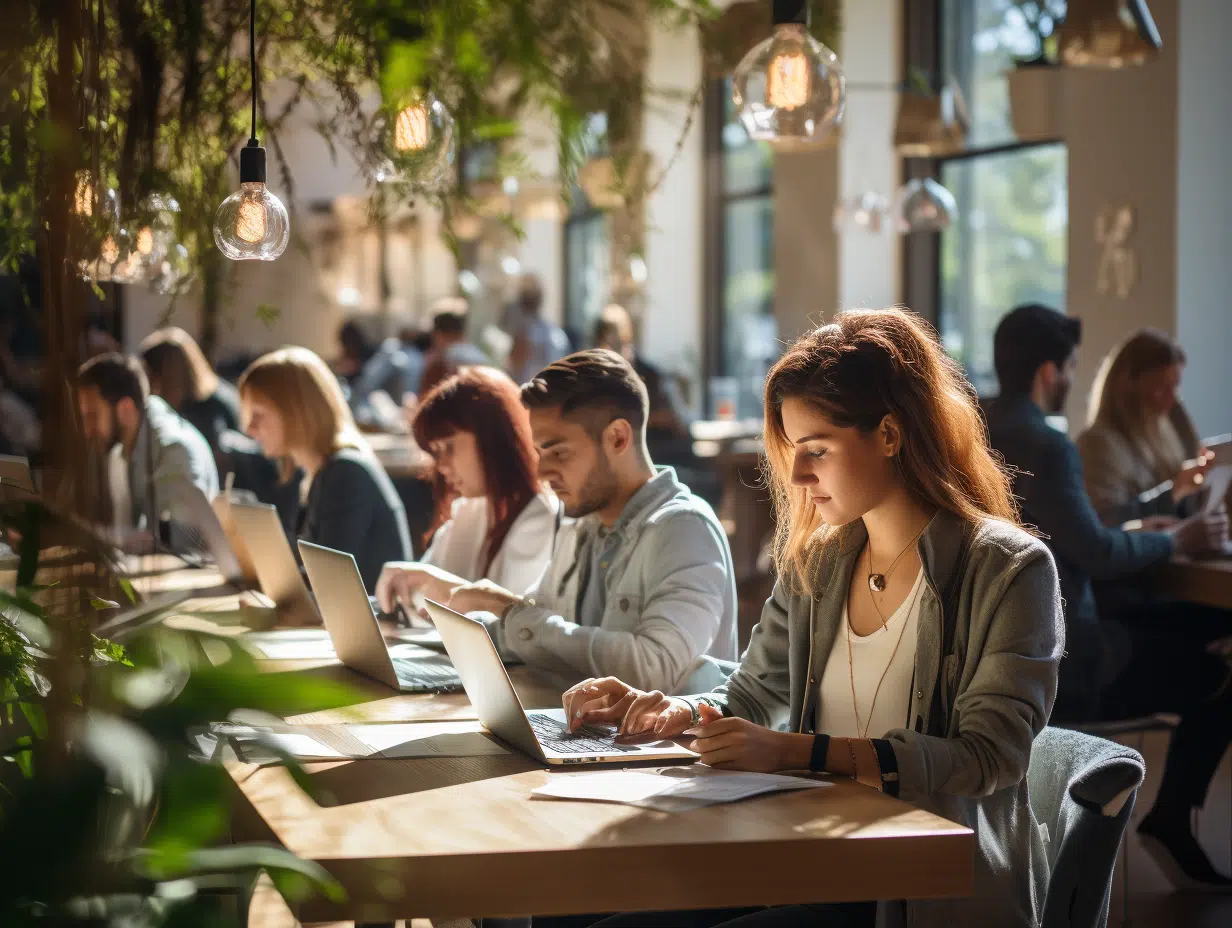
(1082, 789)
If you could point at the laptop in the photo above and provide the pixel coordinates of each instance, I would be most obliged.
(277, 572)
(355, 632)
(539, 733)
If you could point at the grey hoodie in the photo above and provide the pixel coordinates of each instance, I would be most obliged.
(967, 760)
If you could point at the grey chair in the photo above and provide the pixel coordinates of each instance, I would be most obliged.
(1082, 790)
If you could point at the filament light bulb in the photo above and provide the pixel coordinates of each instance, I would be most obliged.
(109, 251)
(83, 197)
(789, 89)
(252, 224)
(787, 81)
(412, 130)
(250, 221)
(145, 240)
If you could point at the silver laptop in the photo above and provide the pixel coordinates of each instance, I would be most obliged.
(540, 733)
(272, 558)
(355, 632)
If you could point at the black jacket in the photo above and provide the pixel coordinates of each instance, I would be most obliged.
(1049, 482)
(352, 506)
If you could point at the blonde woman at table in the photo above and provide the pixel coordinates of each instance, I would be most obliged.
(493, 518)
(913, 638)
(294, 408)
(1140, 452)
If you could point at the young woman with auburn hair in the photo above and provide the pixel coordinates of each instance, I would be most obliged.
(493, 520)
(913, 638)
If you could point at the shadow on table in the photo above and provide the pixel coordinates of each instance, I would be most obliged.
(368, 780)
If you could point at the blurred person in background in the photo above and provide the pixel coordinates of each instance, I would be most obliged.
(1140, 451)
(536, 341)
(450, 350)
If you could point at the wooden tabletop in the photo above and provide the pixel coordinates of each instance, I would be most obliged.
(445, 837)
(461, 837)
(1206, 581)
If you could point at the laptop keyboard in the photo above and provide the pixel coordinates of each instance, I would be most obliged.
(588, 739)
(420, 676)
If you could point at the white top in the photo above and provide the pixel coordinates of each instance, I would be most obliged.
(457, 545)
(121, 492)
(869, 656)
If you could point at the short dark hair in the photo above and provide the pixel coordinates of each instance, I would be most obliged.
(115, 376)
(449, 316)
(1026, 339)
(597, 386)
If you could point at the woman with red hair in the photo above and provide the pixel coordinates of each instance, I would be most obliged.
(493, 518)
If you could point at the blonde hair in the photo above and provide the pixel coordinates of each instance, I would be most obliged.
(1114, 403)
(302, 388)
(175, 361)
(865, 365)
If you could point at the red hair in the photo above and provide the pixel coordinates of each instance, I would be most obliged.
(486, 403)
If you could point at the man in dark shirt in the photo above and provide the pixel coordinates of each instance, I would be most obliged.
(1148, 656)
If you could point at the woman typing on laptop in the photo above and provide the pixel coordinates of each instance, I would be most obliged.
(295, 409)
(914, 635)
(493, 519)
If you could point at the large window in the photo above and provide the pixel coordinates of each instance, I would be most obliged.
(588, 252)
(741, 334)
(1007, 244)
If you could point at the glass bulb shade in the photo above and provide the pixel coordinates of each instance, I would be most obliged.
(869, 211)
(110, 252)
(789, 89)
(923, 205)
(172, 272)
(120, 250)
(252, 225)
(1107, 34)
(421, 144)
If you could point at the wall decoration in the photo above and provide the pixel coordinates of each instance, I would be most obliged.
(1116, 273)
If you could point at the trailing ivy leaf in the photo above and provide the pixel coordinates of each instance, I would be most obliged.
(268, 314)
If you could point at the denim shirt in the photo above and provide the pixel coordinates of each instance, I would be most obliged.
(662, 597)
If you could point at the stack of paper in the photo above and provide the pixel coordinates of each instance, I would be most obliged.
(669, 789)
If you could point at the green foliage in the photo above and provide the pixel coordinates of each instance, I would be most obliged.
(161, 90)
(107, 816)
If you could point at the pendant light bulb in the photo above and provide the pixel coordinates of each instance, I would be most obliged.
(789, 89)
(252, 224)
(420, 144)
(923, 205)
(145, 240)
(83, 197)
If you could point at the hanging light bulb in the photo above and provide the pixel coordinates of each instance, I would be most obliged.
(1107, 34)
(931, 125)
(789, 89)
(83, 196)
(110, 252)
(252, 224)
(422, 143)
(145, 240)
(923, 205)
(172, 272)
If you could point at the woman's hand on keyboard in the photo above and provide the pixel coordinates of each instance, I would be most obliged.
(599, 700)
(653, 712)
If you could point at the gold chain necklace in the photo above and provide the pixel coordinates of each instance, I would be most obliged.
(851, 666)
(877, 582)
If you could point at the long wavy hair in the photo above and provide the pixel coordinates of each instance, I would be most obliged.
(865, 365)
(302, 388)
(1114, 402)
(488, 404)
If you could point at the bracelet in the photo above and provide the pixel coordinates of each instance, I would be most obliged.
(817, 757)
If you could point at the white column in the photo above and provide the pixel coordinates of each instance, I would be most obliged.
(672, 327)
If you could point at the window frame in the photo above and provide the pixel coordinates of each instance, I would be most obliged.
(923, 50)
(716, 201)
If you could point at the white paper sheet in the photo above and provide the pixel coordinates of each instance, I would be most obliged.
(426, 739)
(292, 644)
(669, 789)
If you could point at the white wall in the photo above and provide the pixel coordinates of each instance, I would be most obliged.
(869, 266)
(672, 326)
(1204, 211)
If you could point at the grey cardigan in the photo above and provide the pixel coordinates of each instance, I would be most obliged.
(967, 760)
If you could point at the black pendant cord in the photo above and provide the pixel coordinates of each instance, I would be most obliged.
(252, 64)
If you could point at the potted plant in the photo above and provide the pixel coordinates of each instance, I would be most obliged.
(1035, 80)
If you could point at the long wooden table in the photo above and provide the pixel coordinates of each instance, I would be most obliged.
(447, 837)
(1206, 581)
